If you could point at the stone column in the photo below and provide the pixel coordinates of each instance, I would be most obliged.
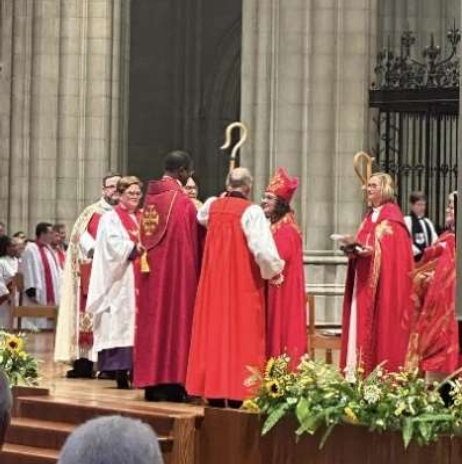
(65, 123)
(305, 77)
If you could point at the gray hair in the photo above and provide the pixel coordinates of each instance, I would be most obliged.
(6, 402)
(112, 440)
(238, 178)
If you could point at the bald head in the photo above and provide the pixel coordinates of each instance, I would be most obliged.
(239, 179)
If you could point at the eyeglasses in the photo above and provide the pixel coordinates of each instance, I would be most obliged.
(133, 194)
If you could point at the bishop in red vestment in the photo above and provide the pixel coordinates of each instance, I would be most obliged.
(229, 315)
(434, 344)
(170, 233)
(377, 307)
(286, 330)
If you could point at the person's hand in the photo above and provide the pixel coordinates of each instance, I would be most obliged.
(91, 253)
(364, 252)
(140, 249)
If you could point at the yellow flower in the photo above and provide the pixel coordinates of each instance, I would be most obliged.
(400, 409)
(250, 405)
(14, 343)
(269, 368)
(350, 416)
(273, 389)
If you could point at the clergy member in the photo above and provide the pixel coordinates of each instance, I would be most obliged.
(192, 190)
(58, 245)
(229, 315)
(74, 336)
(9, 267)
(377, 306)
(434, 345)
(42, 274)
(114, 282)
(170, 234)
(286, 330)
(422, 231)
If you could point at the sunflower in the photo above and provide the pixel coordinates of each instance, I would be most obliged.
(14, 343)
(250, 405)
(273, 388)
(350, 416)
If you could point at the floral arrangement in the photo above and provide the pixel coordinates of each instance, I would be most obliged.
(320, 397)
(19, 366)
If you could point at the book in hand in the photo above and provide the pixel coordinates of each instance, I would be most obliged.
(348, 244)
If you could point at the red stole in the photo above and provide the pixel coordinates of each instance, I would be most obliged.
(129, 224)
(50, 291)
(133, 232)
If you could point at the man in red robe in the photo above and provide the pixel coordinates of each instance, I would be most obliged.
(377, 307)
(229, 315)
(286, 330)
(170, 234)
(434, 344)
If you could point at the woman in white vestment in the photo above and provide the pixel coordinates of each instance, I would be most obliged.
(9, 265)
(112, 291)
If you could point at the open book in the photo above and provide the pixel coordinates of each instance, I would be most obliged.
(348, 243)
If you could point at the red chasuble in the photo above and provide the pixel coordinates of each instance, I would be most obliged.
(170, 232)
(434, 344)
(286, 317)
(383, 292)
(229, 321)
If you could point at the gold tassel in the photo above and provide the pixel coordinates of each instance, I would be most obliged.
(145, 263)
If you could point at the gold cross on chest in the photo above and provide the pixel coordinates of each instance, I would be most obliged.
(151, 220)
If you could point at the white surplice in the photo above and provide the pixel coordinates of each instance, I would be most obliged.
(9, 267)
(259, 238)
(111, 296)
(69, 317)
(32, 269)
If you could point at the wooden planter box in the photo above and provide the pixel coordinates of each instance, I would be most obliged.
(231, 437)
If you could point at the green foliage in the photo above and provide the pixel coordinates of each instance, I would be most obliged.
(20, 367)
(318, 396)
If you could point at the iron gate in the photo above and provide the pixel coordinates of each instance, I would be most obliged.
(417, 121)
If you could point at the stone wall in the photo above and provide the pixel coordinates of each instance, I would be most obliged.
(62, 94)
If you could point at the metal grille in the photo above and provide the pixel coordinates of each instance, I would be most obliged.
(420, 151)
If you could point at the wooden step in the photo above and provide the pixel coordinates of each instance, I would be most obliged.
(77, 412)
(38, 433)
(18, 454)
(52, 435)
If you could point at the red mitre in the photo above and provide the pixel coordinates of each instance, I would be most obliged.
(282, 185)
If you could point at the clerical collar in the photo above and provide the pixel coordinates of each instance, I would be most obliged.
(165, 176)
(235, 194)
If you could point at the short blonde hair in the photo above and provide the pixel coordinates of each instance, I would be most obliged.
(388, 186)
(126, 181)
